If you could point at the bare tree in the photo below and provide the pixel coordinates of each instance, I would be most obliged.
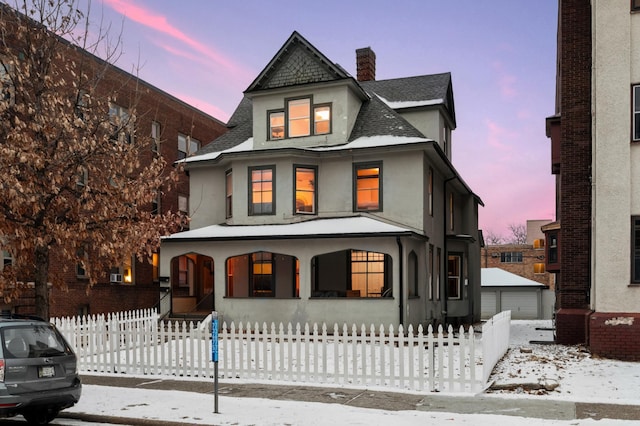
(77, 180)
(492, 238)
(518, 234)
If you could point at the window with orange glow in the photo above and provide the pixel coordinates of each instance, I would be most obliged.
(261, 191)
(276, 125)
(322, 120)
(299, 111)
(305, 201)
(254, 275)
(368, 189)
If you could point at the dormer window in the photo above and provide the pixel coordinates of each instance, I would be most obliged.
(299, 111)
(300, 118)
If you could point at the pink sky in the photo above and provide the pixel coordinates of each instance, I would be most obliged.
(502, 60)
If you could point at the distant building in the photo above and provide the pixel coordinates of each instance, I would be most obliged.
(526, 260)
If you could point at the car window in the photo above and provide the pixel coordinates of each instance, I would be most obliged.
(32, 341)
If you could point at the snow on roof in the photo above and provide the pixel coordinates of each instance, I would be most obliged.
(363, 142)
(496, 277)
(410, 104)
(319, 227)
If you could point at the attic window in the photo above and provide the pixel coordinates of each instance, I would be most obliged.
(299, 111)
(300, 118)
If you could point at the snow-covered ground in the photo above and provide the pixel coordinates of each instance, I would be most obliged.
(571, 371)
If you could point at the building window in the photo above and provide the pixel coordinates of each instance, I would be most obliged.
(553, 248)
(254, 275)
(276, 125)
(121, 123)
(123, 274)
(261, 190)
(228, 194)
(83, 259)
(367, 274)
(183, 203)
(636, 113)
(368, 189)
(82, 178)
(155, 204)
(187, 146)
(635, 249)
(296, 119)
(322, 120)
(430, 266)
(7, 91)
(7, 259)
(438, 267)
(305, 190)
(412, 270)
(511, 257)
(299, 111)
(155, 136)
(538, 268)
(454, 278)
(155, 265)
(635, 4)
(262, 275)
(430, 195)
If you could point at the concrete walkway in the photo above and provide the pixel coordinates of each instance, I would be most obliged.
(392, 401)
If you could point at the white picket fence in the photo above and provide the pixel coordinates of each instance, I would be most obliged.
(138, 343)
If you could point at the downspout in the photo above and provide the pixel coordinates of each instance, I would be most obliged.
(445, 311)
(401, 279)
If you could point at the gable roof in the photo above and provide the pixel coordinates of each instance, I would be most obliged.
(297, 62)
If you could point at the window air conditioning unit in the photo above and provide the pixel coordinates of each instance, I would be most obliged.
(116, 278)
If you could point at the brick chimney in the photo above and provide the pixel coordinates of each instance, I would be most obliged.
(366, 64)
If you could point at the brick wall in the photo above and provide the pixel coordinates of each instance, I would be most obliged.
(615, 335)
(573, 287)
(530, 256)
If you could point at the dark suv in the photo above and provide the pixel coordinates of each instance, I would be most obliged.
(38, 370)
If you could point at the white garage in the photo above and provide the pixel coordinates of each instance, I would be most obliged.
(504, 291)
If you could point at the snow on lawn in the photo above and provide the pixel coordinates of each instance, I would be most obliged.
(577, 375)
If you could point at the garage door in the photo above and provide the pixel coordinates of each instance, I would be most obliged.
(522, 304)
(488, 304)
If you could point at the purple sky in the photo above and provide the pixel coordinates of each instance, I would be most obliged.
(501, 54)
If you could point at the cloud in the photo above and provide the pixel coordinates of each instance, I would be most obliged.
(506, 81)
(160, 23)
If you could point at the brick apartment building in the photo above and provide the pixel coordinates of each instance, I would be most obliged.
(594, 152)
(526, 260)
(178, 130)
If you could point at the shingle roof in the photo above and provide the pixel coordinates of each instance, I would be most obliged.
(417, 88)
(299, 62)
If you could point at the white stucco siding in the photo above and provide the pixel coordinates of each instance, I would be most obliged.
(429, 122)
(344, 108)
(206, 196)
(611, 168)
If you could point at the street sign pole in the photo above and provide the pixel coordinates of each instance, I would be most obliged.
(214, 356)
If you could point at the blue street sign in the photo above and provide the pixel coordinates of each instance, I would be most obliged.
(214, 336)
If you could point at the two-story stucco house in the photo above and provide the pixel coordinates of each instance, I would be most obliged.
(330, 199)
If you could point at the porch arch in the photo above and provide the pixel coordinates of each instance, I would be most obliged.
(192, 284)
(352, 273)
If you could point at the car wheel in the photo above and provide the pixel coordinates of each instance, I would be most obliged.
(40, 416)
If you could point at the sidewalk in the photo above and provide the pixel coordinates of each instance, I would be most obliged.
(530, 407)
